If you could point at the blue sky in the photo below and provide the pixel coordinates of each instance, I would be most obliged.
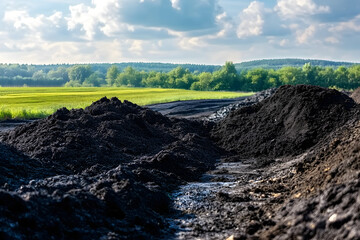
(177, 31)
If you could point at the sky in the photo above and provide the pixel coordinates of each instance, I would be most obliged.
(177, 31)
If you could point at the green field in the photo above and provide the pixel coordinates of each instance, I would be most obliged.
(29, 103)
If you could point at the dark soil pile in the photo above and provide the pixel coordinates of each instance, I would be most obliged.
(292, 120)
(17, 169)
(107, 133)
(117, 162)
(356, 95)
(324, 193)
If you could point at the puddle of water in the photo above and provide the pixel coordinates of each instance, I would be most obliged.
(193, 197)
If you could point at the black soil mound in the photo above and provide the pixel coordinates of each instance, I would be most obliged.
(106, 133)
(324, 197)
(17, 169)
(289, 122)
(356, 95)
(117, 162)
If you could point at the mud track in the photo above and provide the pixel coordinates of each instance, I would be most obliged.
(193, 109)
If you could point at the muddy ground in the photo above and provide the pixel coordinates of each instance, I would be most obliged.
(194, 109)
(286, 167)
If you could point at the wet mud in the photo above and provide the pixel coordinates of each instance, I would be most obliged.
(286, 167)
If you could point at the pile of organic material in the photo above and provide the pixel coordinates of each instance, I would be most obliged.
(356, 95)
(324, 194)
(106, 133)
(110, 171)
(314, 195)
(287, 123)
(17, 169)
(117, 162)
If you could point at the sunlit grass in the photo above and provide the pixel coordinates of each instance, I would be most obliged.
(29, 103)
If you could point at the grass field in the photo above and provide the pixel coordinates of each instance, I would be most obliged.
(28, 103)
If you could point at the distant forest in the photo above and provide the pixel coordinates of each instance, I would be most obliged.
(248, 76)
(288, 62)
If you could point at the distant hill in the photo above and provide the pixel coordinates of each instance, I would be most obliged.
(279, 63)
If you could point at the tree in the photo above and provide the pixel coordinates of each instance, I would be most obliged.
(79, 73)
(203, 83)
(341, 77)
(111, 75)
(154, 79)
(354, 76)
(59, 73)
(174, 79)
(226, 78)
(291, 75)
(129, 77)
(258, 78)
(326, 76)
(273, 78)
(39, 75)
(94, 80)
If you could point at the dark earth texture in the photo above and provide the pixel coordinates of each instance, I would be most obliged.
(102, 172)
(287, 167)
(287, 123)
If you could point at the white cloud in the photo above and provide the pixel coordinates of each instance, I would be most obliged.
(332, 40)
(303, 36)
(251, 20)
(299, 8)
(136, 47)
(191, 43)
(103, 17)
(352, 25)
(21, 19)
(176, 4)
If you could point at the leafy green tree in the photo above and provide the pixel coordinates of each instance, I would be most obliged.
(111, 75)
(203, 83)
(94, 80)
(129, 77)
(341, 77)
(354, 76)
(59, 73)
(225, 78)
(258, 79)
(174, 78)
(39, 75)
(154, 79)
(326, 76)
(309, 74)
(79, 73)
(273, 79)
(291, 75)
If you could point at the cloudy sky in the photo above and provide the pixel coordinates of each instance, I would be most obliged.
(177, 31)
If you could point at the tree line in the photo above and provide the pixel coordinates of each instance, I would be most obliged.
(229, 79)
(226, 78)
(58, 74)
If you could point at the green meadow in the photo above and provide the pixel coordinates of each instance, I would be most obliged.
(30, 103)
